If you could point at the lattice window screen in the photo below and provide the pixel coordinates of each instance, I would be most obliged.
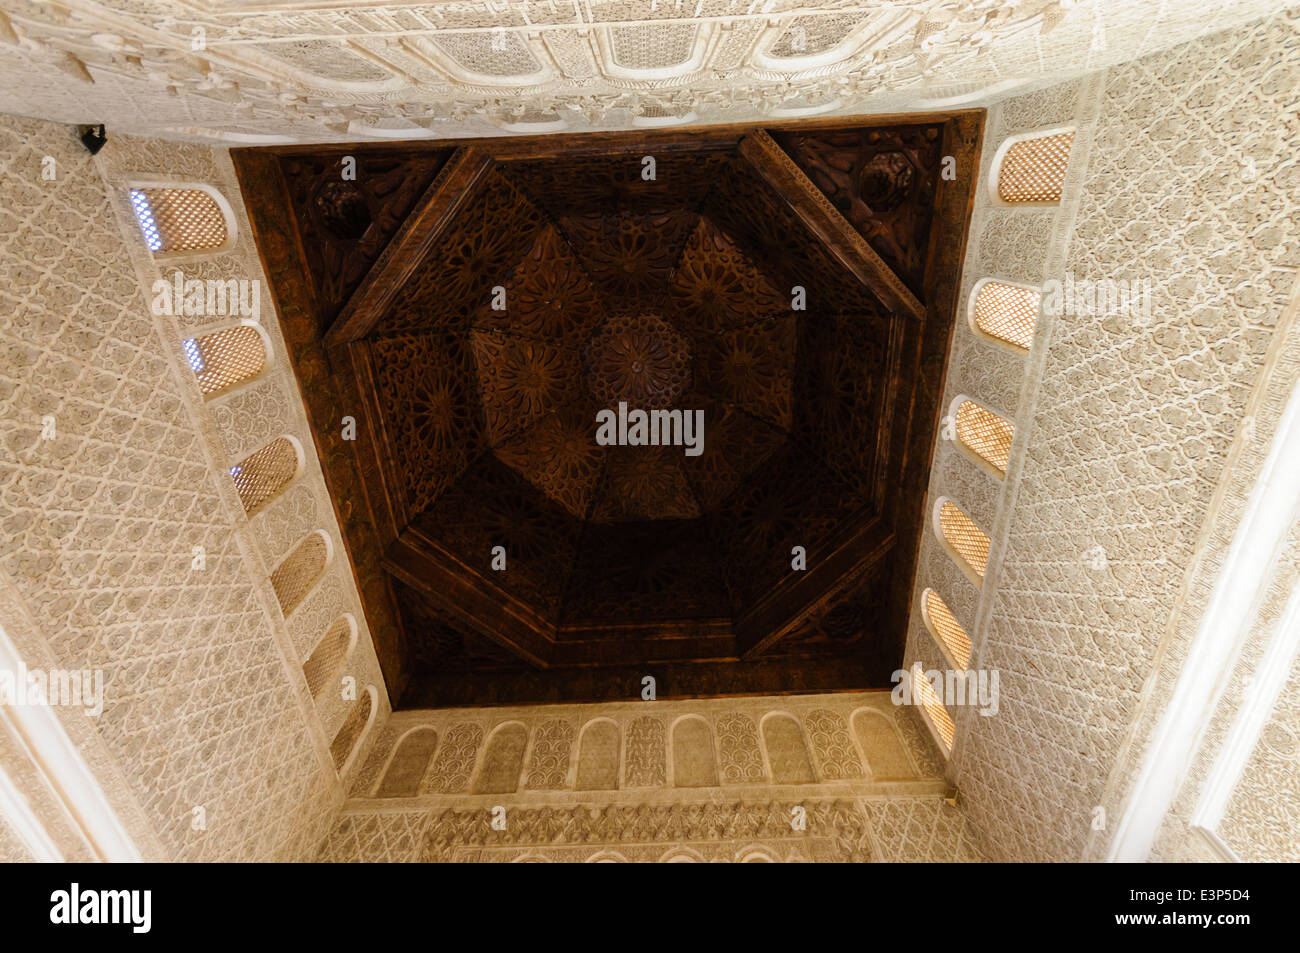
(945, 627)
(350, 733)
(1007, 313)
(261, 476)
(225, 359)
(985, 433)
(966, 539)
(179, 219)
(294, 577)
(1033, 170)
(327, 657)
(923, 692)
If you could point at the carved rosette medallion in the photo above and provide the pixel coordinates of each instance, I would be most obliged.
(639, 359)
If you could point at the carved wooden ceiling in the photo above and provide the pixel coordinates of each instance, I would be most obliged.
(473, 305)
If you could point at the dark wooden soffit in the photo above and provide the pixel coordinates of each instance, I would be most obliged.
(776, 168)
(374, 445)
(688, 138)
(452, 189)
(621, 683)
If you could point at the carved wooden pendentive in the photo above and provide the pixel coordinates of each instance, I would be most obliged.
(349, 211)
(474, 306)
(883, 181)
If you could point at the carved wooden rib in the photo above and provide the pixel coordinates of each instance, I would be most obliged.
(825, 221)
(451, 190)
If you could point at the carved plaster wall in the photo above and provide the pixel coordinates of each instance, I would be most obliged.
(683, 780)
(260, 72)
(1139, 436)
(206, 705)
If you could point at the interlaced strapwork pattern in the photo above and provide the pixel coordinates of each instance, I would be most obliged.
(653, 47)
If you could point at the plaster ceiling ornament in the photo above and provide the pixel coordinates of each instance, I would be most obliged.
(228, 71)
(484, 305)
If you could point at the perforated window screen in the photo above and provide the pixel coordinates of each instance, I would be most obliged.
(294, 577)
(985, 433)
(1007, 312)
(1033, 170)
(966, 539)
(945, 627)
(327, 657)
(261, 476)
(225, 359)
(923, 692)
(350, 733)
(179, 219)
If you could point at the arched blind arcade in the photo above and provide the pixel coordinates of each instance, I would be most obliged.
(295, 576)
(985, 434)
(262, 476)
(923, 694)
(327, 658)
(943, 625)
(353, 726)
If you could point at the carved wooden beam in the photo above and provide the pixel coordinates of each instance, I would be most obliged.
(454, 187)
(462, 593)
(787, 607)
(824, 221)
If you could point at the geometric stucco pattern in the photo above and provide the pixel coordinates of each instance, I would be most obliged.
(1262, 812)
(1133, 423)
(249, 72)
(205, 702)
(12, 849)
(920, 829)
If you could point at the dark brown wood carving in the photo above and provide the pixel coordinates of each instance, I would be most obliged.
(476, 306)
